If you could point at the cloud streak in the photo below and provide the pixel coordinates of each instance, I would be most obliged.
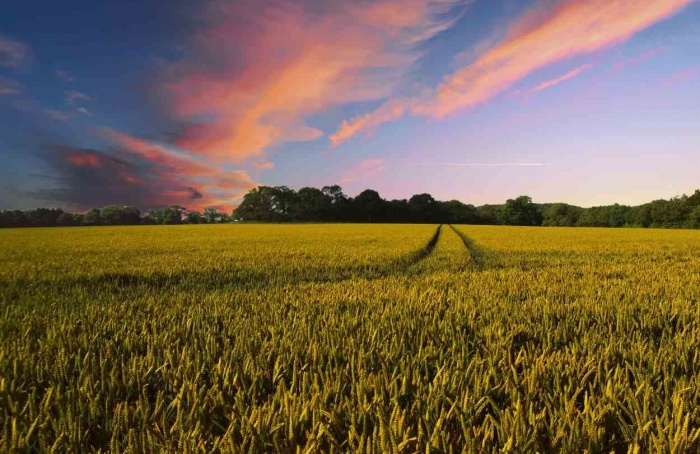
(290, 60)
(484, 164)
(554, 82)
(681, 77)
(551, 32)
(73, 96)
(365, 169)
(182, 173)
(138, 173)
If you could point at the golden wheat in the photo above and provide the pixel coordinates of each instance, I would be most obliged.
(349, 338)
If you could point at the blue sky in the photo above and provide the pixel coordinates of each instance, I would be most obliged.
(194, 103)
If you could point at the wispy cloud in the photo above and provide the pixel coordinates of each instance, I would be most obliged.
(551, 32)
(56, 114)
(291, 60)
(486, 164)
(10, 87)
(85, 111)
(73, 96)
(554, 82)
(64, 75)
(639, 59)
(365, 169)
(263, 165)
(179, 174)
(14, 54)
(682, 76)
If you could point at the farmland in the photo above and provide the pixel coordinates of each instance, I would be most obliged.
(349, 338)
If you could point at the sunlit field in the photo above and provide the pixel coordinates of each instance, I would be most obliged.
(349, 338)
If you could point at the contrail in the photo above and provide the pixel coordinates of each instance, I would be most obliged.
(485, 164)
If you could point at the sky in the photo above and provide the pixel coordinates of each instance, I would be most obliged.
(150, 103)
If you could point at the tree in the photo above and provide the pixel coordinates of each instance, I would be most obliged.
(368, 205)
(312, 205)
(283, 204)
(92, 217)
(43, 217)
(457, 212)
(519, 211)
(172, 214)
(397, 211)
(424, 208)
(13, 218)
(339, 207)
(561, 215)
(488, 214)
(194, 217)
(67, 220)
(120, 215)
(693, 221)
(256, 205)
(212, 216)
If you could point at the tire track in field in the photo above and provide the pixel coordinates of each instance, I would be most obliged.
(427, 250)
(211, 280)
(478, 254)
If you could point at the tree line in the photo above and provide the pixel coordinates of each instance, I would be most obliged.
(330, 204)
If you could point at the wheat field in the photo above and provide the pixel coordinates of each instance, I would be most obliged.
(349, 338)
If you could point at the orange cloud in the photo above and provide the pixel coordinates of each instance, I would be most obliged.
(544, 36)
(257, 70)
(184, 179)
(84, 160)
(554, 82)
(392, 110)
(263, 165)
(365, 169)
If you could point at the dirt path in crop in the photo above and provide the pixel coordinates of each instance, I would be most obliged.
(428, 249)
(477, 253)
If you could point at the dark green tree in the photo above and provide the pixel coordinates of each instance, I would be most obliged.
(368, 206)
(120, 215)
(173, 214)
(561, 215)
(519, 211)
(194, 217)
(312, 205)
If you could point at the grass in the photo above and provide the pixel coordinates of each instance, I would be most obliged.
(349, 338)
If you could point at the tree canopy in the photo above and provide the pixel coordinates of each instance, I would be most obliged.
(330, 204)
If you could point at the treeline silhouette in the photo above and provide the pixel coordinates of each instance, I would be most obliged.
(330, 204)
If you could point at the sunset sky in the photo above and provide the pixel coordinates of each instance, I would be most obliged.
(149, 103)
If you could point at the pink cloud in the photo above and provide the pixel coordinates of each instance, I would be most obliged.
(365, 169)
(639, 59)
(545, 35)
(189, 180)
(13, 54)
(257, 70)
(84, 160)
(681, 77)
(554, 82)
(263, 165)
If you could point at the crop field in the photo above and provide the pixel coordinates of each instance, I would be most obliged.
(349, 338)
